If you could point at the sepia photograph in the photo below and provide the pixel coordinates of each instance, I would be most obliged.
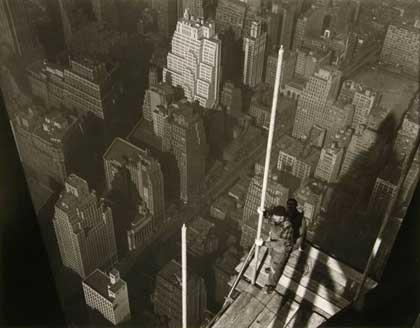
(210, 163)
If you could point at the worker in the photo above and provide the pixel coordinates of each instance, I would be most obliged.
(279, 243)
(299, 224)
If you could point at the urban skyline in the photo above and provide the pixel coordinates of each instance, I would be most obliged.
(133, 118)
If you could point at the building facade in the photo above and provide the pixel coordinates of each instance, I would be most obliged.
(142, 170)
(311, 108)
(47, 143)
(108, 294)
(401, 48)
(189, 145)
(88, 87)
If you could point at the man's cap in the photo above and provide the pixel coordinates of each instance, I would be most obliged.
(279, 210)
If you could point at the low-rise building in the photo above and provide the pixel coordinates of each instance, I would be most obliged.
(107, 294)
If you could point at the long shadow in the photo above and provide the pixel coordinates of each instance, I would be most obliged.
(346, 233)
(124, 201)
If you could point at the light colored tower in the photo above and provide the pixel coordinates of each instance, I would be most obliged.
(329, 163)
(194, 60)
(84, 228)
(254, 50)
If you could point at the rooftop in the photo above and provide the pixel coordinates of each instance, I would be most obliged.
(55, 126)
(172, 272)
(121, 151)
(298, 149)
(99, 282)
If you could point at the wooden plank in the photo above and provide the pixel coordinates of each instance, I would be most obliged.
(234, 311)
(317, 287)
(286, 313)
(322, 295)
(249, 314)
(315, 320)
(336, 265)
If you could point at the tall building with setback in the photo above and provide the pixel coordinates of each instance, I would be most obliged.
(143, 171)
(329, 163)
(189, 145)
(254, 55)
(231, 14)
(166, 12)
(167, 297)
(402, 47)
(311, 108)
(108, 294)
(84, 228)
(47, 143)
(194, 60)
(88, 87)
(16, 31)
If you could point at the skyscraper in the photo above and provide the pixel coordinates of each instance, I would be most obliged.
(84, 228)
(167, 297)
(15, 29)
(254, 49)
(144, 172)
(194, 60)
(311, 108)
(189, 145)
